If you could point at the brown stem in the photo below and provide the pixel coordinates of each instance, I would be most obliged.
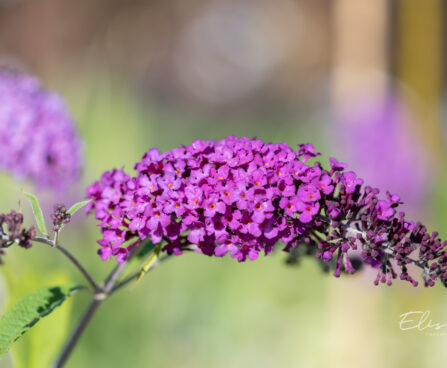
(134, 276)
(73, 259)
(68, 348)
(98, 298)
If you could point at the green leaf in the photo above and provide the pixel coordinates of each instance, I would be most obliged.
(147, 248)
(77, 206)
(39, 346)
(149, 262)
(29, 310)
(37, 212)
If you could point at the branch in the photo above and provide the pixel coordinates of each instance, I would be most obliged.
(98, 298)
(134, 276)
(85, 319)
(96, 288)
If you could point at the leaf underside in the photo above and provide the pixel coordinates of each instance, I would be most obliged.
(28, 311)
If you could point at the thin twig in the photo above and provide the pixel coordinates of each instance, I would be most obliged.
(73, 259)
(98, 298)
(126, 281)
(113, 277)
(41, 239)
(95, 303)
(134, 276)
(81, 268)
(68, 348)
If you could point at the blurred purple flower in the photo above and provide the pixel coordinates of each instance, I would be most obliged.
(38, 139)
(379, 141)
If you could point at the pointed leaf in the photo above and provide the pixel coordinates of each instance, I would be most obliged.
(149, 262)
(40, 345)
(77, 206)
(29, 310)
(37, 213)
(145, 250)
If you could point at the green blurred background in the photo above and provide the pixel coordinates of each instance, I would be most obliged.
(140, 74)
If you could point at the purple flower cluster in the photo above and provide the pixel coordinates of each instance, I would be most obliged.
(11, 231)
(242, 196)
(60, 216)
(38, 139)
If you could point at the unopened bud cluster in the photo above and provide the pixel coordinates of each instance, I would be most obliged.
(60, 216)
(12, 232)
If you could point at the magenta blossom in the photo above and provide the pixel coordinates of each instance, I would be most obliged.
(242, 196)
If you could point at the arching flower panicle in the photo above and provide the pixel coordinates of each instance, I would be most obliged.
(242, 196)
